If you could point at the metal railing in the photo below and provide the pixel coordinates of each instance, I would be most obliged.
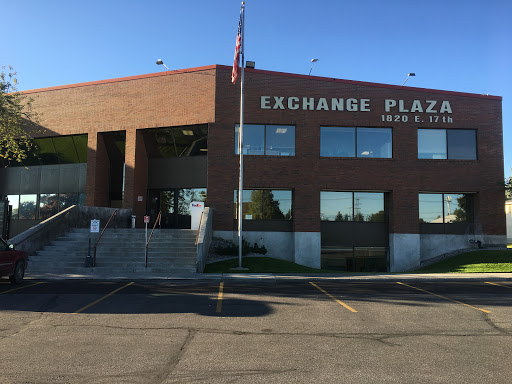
(159, 221)
(99, 238)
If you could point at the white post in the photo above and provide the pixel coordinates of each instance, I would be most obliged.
(240, 145)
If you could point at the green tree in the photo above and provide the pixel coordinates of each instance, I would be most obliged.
(263, 206)
(508, 188)
(16, 119)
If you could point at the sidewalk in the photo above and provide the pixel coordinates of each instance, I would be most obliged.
(268, 277)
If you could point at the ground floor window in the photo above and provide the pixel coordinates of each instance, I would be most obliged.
(443, 208)
(264, 204)
(355, 259)
(42, 206)
(352, 206)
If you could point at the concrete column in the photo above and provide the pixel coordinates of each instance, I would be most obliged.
(97, 183)
(136, 174)
(307, 248)
(404, 251)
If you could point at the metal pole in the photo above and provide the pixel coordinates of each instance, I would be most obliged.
(240, 145)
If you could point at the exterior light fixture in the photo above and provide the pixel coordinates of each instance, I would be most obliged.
(160, 62)
(313, 61)
(250, 64)
(187, 132)
(408, 75)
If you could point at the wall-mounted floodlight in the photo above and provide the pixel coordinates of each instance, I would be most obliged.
(250, 64)
(408, 75)
(160, 62)
(313, 61)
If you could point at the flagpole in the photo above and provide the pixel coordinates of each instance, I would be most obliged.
(240, 143)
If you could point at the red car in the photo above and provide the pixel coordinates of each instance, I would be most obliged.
(12, 263)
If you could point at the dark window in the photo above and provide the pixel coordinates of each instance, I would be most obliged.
(444, 208)
(461, 144)
(66, 200)
(277, 140)
(356, 142)
(265, 204)
(352, 206)
(452, 144)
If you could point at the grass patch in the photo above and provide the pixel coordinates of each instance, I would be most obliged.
(478, 261)
(261, 265)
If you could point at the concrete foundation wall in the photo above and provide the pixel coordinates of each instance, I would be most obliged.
(308, 249)
(404, 251)
(435, 245)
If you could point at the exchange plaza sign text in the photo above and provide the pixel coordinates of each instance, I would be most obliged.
(353, 105)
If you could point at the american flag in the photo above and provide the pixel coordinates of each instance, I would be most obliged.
(238, 48)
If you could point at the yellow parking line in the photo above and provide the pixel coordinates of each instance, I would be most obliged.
(219, 299)
(101, 299)
(444, 297)
(499, 285)
(332, 297)
(26, 286)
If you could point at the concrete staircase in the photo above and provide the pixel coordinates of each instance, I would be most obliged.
(119, 252)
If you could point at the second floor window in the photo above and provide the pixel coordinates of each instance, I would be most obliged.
(277, 140)
(452, 144)
(356, 142)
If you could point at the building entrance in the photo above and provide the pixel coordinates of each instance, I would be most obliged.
(175, 205)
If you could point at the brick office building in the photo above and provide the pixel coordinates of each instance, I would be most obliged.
(340, 174)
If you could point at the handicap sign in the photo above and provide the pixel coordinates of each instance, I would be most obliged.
(95, 226)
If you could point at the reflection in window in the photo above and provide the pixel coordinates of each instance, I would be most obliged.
(278, 140)
(167, 201)
(14, 201)
(352, 206)
(66, 200)
(443, 208)
(28, 206)
(341, 142)
(48, 205)
(187, 196)
(65, 148)
(458, 144)
(374, 142)
(265, 204)
(336, 206)
(369, 206)
(337, 142)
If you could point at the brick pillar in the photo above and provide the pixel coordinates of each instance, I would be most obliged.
(97, 184)
(136, 174)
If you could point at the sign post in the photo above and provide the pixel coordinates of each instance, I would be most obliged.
(146, 221)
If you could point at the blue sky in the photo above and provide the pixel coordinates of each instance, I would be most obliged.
(457, 45)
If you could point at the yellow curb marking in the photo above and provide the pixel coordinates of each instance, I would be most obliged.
(101, 299)
(16, 289)
(499, 285)
(219, 299)
(332, 297)
(444, 297)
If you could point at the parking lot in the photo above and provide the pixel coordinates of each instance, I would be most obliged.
(256, 331)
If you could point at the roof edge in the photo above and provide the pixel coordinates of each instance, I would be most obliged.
(265, 72)
(368, 84)
(121, 79)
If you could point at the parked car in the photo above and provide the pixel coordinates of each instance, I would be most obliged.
(12, 262)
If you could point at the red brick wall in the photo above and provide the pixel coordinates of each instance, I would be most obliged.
(148, 101)
(307, 173)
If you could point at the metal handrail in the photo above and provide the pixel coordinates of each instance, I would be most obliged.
(102, 232)
(158, 220)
